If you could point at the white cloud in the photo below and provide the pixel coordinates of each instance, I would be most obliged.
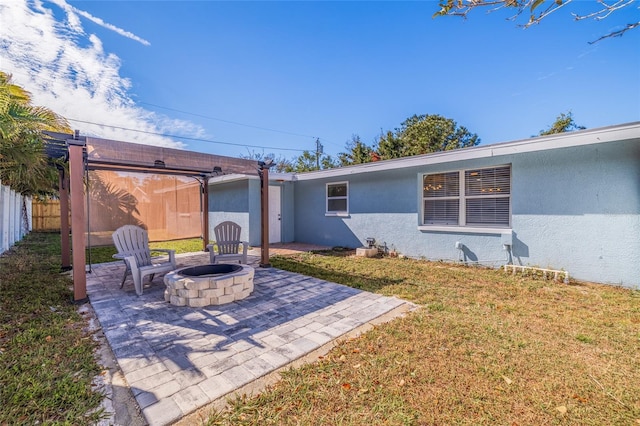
(73, 12)
(79, 81)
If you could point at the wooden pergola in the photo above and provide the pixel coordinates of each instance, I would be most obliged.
(85, 153)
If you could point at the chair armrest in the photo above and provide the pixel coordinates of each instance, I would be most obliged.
(245, 247)
(170, 252)
(132, 263)
(210, 248)
(119, 256)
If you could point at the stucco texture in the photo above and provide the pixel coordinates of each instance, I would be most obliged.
(576, 209)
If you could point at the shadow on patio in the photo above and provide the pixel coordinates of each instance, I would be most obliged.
(178, 359)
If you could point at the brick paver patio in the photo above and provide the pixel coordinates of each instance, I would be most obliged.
(177, 359)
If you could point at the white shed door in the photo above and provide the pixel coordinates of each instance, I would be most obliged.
(275, 227)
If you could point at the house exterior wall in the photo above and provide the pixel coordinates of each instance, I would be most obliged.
(288, 212)
(576, 209)
(581, 211)
(255, 224)
(231, 201)
(239, 201)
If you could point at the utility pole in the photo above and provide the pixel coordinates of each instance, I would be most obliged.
(319, 151)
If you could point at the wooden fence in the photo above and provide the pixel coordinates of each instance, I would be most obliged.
(46, 215)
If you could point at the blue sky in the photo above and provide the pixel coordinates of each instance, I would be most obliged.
(270, 77)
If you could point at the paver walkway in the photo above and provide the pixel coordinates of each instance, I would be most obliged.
(178, 359)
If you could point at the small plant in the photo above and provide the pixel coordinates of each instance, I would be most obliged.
(584, 338)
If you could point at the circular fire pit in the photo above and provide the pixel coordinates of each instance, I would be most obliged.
(205, 285)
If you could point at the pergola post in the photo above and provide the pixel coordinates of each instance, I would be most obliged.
(264, 213)
(64, 219)
(76, 172)
(205, 213)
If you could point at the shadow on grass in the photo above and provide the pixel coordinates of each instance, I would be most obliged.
(336, 252)
(351, 279)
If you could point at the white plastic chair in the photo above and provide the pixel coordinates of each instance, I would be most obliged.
(228, 244)
(132, 243)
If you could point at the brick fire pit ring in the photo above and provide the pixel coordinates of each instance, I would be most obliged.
(205, 285)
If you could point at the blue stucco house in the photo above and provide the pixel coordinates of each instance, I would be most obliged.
(568, 202)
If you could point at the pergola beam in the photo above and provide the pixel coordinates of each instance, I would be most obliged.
(85, 153)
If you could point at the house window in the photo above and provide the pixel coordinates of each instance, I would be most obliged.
(477, 197)
(338, 198)
(442, 199)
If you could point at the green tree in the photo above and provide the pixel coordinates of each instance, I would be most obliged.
(564, 123)
(307, 163)
(389, 146)
(422, 134)
(23, 161)
(357, 152)
(281, 163)
(534, 11)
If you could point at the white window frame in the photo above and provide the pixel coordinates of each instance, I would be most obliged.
(328, 198)
(442, 198)
(463, 197)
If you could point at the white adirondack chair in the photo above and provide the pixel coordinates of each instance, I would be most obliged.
(228, 244)
(132, 243)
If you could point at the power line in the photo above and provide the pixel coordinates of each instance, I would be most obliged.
(227, 121)
(186, 137)
(209, 118)
(236, 123)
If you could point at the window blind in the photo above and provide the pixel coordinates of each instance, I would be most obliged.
(486, 200)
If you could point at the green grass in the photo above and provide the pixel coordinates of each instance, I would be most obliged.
(105, 253)
(46, 355)
(484, 348)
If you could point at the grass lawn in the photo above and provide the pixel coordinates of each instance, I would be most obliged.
(105, 253)
(46, 355)
(484, 348)
(47, 359)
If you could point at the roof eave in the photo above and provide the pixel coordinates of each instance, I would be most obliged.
(622, 132)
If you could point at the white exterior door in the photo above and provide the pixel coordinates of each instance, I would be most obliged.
(275, 227)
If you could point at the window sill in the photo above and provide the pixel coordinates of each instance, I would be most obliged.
(337, 214)
(464, 229)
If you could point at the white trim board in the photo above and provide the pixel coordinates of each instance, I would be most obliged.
(617, 133)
